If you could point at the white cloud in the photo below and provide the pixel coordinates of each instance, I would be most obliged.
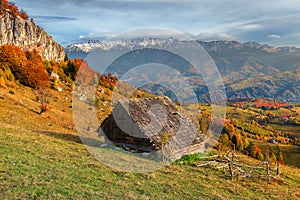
(209, 36)
(273, 36)
(81, 36)
(250, 27)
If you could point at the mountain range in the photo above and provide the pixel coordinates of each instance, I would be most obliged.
(249, 70)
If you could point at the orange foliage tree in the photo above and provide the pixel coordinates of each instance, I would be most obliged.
(27, 68)
(23, 14)
(108, 81)
(35, 75)
(14, 58)
(13, 9)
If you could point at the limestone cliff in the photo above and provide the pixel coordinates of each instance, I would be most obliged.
(28, 36)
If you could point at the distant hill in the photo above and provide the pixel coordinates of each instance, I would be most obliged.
(255, 70)
(249, 70)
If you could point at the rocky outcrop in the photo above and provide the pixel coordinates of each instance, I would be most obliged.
(28, 36)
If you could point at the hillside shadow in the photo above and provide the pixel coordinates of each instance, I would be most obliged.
(28, 108)
(72, 138)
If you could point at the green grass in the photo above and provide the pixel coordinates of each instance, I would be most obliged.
(292, 129)
(281, 111)
(39, 161)
(43, 166)
(297, 110)
(252, 128)
(291, 154)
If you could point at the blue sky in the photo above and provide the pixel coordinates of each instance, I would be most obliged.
(273, 22)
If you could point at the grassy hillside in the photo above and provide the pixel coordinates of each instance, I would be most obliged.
(57, 165)
(260, 134)
(293, 130)
(41, 157)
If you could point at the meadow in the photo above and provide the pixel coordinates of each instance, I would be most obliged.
(42, 157)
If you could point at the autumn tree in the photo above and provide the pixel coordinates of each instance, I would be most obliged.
(27, 68)
(2, 81)
(243, 132)
(23, 14)
(13, 58)
(246, 142)
(204, 122)
(6, 77)
(43, 96)
(108, 81)
(249, 148)
(229, 128)
(266, 155)
(35, 76)
(224, 141)
(3, 5)
(256, 152)
(260, 156)
(13, 9)
(279, 156)
(237, 140)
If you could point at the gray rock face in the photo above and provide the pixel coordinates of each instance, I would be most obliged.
(28, 36)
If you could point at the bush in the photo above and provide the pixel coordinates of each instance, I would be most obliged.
(35, 76)
(260, 156)
(13, 58)
(4, 4)
(97, 102)
(108, 81)
(55, 84)
(2, 82)
(5, 77)
(192, 158)
(188, 159)
(27, 68)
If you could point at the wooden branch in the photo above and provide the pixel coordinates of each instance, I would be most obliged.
(241, 169)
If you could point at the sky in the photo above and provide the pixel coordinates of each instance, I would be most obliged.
(273, 22)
